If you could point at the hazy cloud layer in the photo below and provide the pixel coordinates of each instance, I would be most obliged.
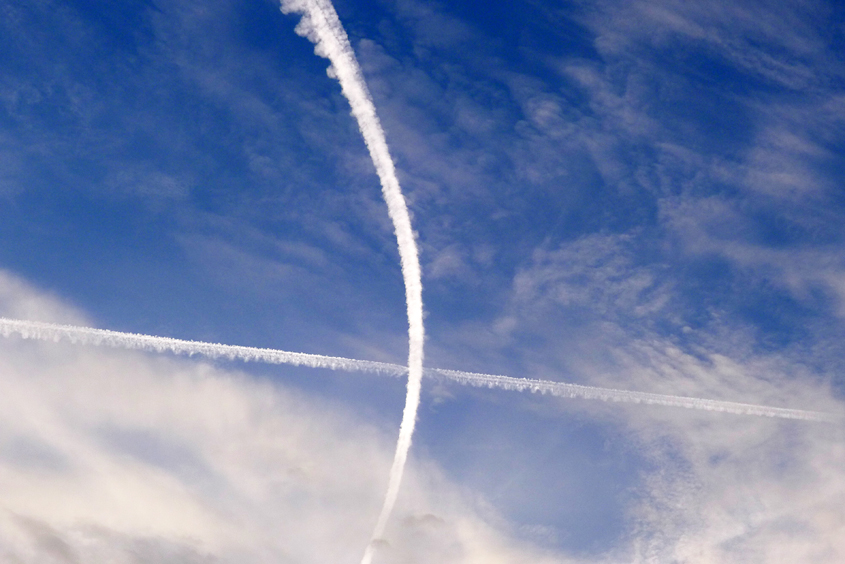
(129, 458)
(132, 458)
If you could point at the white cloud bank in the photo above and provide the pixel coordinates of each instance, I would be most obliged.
(121, 457)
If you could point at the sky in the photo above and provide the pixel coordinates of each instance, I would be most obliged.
(644, 195)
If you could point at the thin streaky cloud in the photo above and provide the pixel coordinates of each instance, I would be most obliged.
(115, 339)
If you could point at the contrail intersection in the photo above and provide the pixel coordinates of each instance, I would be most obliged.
(150, 343)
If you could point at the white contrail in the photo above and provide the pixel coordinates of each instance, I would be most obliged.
(321, 25)
(566, 390)
(102, 337)
(151, 343)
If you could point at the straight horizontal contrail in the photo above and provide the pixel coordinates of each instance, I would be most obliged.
(151, 343)
(102, 337)
(566, 390)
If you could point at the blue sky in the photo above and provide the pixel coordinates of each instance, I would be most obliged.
(644, 195)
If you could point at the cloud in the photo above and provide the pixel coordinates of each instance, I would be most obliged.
(810, 273)
(596, 273)
(741, 491)
(735, 180)
(713, 489)
(19, 299)
(109, 456)
(777, 43)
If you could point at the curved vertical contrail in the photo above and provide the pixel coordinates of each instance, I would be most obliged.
(321, 25)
